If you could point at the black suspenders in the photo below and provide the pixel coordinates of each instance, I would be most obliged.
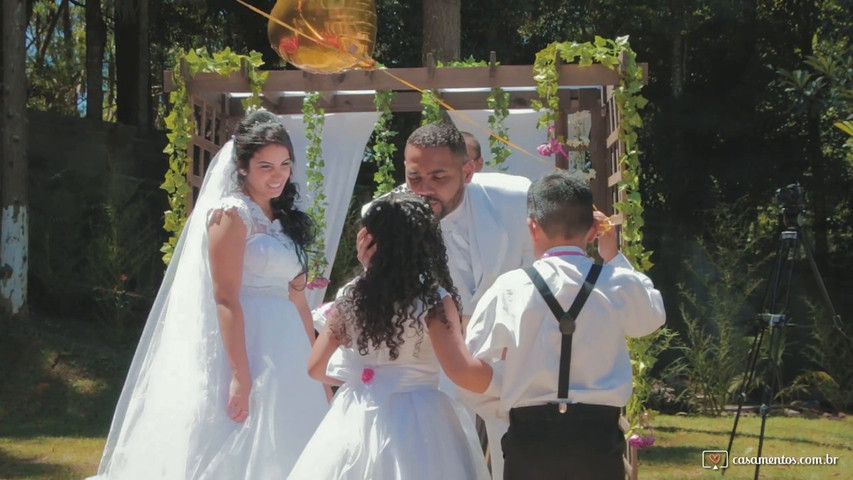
(567, 322)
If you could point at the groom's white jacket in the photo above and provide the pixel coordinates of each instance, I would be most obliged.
(495, 213)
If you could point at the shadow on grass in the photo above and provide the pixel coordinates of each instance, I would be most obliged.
(742, 434)
(677, 455)
(15, 467)
(63, 378)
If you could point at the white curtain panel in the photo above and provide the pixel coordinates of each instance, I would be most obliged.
(522, 131)
(345, 135)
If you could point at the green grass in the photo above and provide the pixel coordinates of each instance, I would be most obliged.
(59, 382)
(677, 453)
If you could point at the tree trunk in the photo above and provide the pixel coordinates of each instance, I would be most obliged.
(14, 226)
(132, 65)
(96, 39)
(68, 55)
(677, 61)
(442, 29)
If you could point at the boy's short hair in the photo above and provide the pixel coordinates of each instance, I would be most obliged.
(561, 203)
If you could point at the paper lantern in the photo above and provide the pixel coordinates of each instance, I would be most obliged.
(327, 36)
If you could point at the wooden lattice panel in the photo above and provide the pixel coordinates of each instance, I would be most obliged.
(208, 137)
(615, 150)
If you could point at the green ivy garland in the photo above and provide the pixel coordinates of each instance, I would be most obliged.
(383, 146)
(629, 102)
(314, 119)
(498, 101)
(606, 52)
(431, 112)
(180, 124)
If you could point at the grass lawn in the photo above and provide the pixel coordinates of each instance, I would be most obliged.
(677, 453)
(60, 381)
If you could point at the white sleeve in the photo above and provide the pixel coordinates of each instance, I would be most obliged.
(486, 339)
(644, 310)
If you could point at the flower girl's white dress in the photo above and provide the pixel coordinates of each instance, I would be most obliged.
(389, 421)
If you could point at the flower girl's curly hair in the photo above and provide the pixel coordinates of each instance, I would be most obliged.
(408, 267)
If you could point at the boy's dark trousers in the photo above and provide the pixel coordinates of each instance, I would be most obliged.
(585, 443)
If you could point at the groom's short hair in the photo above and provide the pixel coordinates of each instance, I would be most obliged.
(434, 135)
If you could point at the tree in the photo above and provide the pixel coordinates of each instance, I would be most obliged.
(54, 50)
(14, 226)
(133, 71)
(442, 29)
(96, 40)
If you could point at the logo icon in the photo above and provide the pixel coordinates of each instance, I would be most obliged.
(715, 459)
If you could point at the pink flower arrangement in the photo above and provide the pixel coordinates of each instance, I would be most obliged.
(641, 441)
(552, 146)
(367, 375)
(318, 282)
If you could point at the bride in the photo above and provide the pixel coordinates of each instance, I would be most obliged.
(218, 387)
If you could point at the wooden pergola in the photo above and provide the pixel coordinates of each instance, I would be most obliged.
(216, 103)
(217, 109)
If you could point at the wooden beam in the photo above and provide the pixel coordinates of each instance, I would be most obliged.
(506, 76)
(403, 102)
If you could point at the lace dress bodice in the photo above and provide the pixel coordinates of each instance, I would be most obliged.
(270, 260)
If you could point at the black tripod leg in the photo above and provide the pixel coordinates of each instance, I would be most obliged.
(773, 352)
(746, 382)
(772, 301)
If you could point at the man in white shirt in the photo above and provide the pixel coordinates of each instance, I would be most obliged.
(483, 221)
(515, 329)
(475, 153)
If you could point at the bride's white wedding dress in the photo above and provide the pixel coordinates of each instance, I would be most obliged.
(389, 421)
(171, 421)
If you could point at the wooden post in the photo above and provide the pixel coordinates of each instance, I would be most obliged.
(15, 219)
(591, 100)
(560, 127)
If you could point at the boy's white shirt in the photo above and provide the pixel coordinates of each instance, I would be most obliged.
(512, 315)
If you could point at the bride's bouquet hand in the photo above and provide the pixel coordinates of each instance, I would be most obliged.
(238, 399)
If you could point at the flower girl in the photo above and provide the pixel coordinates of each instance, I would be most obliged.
(399, 324)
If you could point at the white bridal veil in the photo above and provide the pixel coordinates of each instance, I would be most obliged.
(177, 364)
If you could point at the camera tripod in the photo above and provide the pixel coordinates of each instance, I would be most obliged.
(773, 316)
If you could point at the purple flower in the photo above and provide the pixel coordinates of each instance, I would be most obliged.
(553, 146)
(545, 150)
(367, 375)
(319, 282)
(641, 441)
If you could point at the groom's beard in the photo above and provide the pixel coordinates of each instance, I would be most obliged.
(442, 209)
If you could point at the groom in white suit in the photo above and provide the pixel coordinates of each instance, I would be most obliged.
(483, 221)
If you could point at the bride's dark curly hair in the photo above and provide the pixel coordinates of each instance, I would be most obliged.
(256, 131)
(409, 265)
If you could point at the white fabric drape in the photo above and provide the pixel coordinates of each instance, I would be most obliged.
(345, 136)
(522, 131)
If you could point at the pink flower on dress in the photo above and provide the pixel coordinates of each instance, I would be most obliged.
(319, 282)
(367, 375)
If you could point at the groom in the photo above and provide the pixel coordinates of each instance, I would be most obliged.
(483, 220)
(483, 217)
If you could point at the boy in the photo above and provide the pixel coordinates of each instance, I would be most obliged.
(564, 378)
